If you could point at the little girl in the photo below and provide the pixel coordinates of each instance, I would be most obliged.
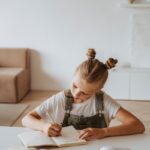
(85, 106)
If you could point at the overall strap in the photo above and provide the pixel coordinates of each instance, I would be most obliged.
(99, 103)
(68, 107)
(68, 101)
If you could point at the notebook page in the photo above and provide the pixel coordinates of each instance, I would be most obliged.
(70, 136)
(35, 139)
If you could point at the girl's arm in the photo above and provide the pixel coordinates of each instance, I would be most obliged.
(130, 125)
(35, 122)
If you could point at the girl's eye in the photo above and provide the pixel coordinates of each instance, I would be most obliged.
(74, 85)
(84, 93)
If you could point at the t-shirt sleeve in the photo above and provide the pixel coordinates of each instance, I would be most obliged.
(111, 107)
(44, 107)
(50, 105)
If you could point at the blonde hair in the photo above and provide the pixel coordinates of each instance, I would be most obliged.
(93, 70)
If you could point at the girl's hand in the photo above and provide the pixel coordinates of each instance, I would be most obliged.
(52, 129)
(92, 133)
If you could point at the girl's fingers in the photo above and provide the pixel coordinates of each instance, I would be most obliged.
(56, 127)
(83, 132)
(84, 135)
(52, 132)
(89, 138)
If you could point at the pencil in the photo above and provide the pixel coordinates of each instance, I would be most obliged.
(52, 119)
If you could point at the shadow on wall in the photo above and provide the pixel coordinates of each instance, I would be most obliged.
(40, 80)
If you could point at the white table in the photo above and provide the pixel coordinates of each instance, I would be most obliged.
(8, 137)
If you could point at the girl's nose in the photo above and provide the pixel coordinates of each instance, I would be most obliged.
(77, 94)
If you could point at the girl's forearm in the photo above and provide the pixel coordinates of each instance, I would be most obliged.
(33, 123)
(124, 129)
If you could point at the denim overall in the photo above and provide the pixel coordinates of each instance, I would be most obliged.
(81, 122)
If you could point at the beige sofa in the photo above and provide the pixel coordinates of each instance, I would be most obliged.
(14, 74)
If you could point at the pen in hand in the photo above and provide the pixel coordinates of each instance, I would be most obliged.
(53, 128)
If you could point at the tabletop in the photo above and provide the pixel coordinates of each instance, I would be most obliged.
(8, 138)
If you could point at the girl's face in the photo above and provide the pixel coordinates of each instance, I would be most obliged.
(81, 90)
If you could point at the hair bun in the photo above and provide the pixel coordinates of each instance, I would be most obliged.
(91, 53)
(110, 63)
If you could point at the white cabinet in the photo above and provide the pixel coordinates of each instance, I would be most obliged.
(140, 85)
(131, 84)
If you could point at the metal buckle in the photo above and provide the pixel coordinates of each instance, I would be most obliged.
(68, 111)
(101, 112)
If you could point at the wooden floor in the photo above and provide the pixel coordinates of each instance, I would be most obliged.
(139, 108)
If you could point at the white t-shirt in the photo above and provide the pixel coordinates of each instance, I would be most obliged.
(53, 109)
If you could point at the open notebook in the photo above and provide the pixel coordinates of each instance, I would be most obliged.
(69, 137)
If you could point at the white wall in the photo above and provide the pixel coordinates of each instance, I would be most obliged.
(60, 31)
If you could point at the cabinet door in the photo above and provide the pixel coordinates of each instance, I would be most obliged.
(140, 85)
(117, 84)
